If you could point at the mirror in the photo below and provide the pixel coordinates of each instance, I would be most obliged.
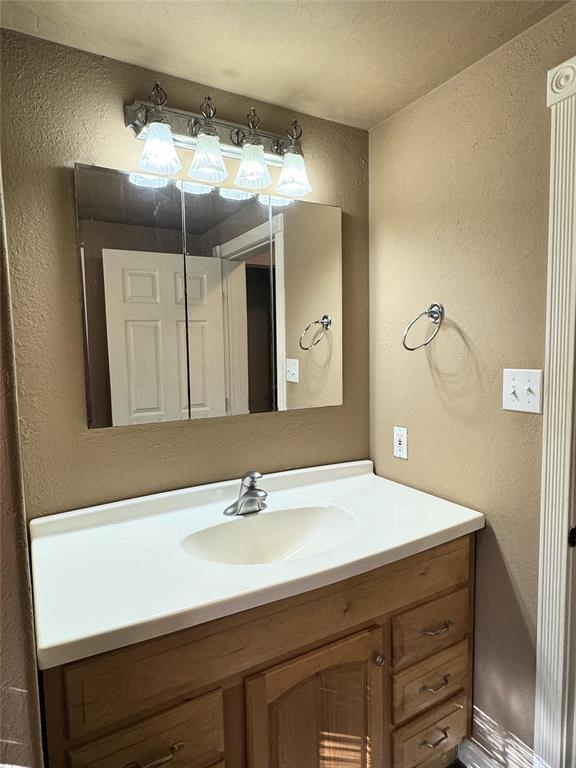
(196, 300)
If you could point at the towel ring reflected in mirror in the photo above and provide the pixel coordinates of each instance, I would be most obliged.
(325, 321)
(434, 313)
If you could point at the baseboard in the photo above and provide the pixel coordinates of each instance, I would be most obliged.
(492, 746)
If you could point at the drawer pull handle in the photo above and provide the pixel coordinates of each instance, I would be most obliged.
(380, 660)
(436, 688)
(441, 740)
(161, 760)
(445, 627)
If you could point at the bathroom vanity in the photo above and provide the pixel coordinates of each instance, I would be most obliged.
(356, 652)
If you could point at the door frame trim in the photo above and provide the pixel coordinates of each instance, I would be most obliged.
(555, 669)
(272, 232)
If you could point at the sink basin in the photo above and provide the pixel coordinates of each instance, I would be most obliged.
(272, 536)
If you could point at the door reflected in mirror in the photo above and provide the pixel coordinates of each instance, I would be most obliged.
(196, 300)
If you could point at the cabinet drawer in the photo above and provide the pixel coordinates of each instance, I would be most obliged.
(423, 740)
(188, 736)
(431, 681)
(428, 629)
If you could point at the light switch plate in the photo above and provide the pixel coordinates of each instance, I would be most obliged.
(401, 442)
(522, 390)
(292, 370)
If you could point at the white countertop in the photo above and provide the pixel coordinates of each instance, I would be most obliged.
(117, 574)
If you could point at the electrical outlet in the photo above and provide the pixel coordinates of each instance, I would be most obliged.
(401, 442)
(292, 370)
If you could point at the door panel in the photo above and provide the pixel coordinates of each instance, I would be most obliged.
(144, 366)
(146, 333)
(236, 334)
(206, 337)
(142, 317)
(321, 710)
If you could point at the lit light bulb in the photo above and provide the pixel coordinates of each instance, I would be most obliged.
(144, 180)
(276, 202)
(293, 179)
(208, 163)
(194, 188)
(253, 172)
(159, 154)
(234, 194)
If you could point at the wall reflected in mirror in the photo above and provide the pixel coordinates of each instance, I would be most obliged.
(195, 300)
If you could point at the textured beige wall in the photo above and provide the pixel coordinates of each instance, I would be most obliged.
(60, 105)
(19, 706)
(458, 214)
(313, 287)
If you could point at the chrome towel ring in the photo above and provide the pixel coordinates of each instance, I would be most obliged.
(325, 321)
(434, 313)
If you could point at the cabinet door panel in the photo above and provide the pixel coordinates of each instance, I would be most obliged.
(323, 709)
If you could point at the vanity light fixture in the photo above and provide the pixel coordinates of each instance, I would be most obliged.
(273, 200)
(159, 154)
(234, 194)
(208, 163)
(293, 179)
(253, 172)
(145, 180)
(195, 188)
(213, 139)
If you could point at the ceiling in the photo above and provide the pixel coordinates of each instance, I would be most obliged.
(350, 61)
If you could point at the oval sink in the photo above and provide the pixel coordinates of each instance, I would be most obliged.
(272, 536)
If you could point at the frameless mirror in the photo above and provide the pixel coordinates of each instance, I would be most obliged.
(203, 302)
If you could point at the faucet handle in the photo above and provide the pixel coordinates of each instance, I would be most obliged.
(251, 478)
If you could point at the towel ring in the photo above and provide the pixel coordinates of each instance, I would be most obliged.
(325, 321)
(435, 313)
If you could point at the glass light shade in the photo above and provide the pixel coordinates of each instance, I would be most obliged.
(277, 202)
(194, 188)
(234, 194)
(144, 180)
(293, 179)
(208, 163)
(159, 154)
(253, 172)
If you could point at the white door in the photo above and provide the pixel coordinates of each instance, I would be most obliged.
(146, 332)
(206, 337)
(236, 335)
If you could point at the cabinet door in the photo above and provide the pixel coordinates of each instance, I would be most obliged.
(323, 709)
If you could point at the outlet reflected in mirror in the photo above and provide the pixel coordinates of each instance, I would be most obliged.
(195, 298)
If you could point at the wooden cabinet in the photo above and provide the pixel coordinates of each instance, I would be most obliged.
(365, 673)
(429, 628)
(433, 680)
(419, 743)
(323, 708)
(188, 736)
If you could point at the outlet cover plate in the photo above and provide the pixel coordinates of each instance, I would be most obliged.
(401, 442)
(292, 370)
(522, 390)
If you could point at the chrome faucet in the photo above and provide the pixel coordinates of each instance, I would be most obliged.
(250, 499)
